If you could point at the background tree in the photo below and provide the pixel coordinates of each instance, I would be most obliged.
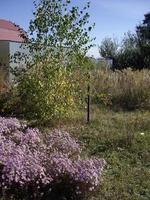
(134, 49)
(143, 33)
(125, 54)
(129, 53)
(108, 48)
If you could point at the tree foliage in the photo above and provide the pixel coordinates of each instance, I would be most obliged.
(129, 54)
(58, 42)
(59, 32)
(134, 49)
(108, 48)
(143, 33)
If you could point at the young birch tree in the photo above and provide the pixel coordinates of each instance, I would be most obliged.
(58, 41)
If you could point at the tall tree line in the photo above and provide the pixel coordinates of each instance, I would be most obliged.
(134, 49)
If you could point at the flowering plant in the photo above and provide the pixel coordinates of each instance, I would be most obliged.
(34, 168)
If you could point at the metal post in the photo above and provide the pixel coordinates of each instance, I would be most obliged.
(88, 103)
(88, 99)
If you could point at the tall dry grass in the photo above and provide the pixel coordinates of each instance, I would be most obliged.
(3, 82)
(125, 89)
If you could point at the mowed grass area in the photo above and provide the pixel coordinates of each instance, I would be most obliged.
(123, 139)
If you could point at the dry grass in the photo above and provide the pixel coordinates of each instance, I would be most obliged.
(125, 89)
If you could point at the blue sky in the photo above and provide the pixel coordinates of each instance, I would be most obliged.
(112, 17)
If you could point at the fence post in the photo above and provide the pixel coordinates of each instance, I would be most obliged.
(88, 99)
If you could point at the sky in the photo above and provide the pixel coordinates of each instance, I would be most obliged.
(113, 18)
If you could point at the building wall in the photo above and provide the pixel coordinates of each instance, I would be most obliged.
(15, 47)
(4, 60)
(7, 52)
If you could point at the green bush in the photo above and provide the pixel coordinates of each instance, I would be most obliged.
(45, 95)
(4, 92)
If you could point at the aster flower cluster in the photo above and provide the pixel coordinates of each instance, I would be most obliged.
(29, 162)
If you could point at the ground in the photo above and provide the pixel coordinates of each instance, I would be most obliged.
(123, 139)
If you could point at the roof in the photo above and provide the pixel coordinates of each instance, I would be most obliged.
(10, 32)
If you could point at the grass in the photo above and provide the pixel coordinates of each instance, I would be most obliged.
(118, 137)
(122, 138)
(126, 89)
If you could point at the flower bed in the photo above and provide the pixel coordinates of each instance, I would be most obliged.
(32, 167)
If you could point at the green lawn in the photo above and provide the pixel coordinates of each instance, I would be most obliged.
(123, 139)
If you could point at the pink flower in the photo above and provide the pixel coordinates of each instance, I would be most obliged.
(25, 159)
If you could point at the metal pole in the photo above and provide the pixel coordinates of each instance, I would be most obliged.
(88, 100)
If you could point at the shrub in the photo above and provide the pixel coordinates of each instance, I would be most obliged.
(3, 83)
(4, 90)
(45, 95)
(33, 167)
